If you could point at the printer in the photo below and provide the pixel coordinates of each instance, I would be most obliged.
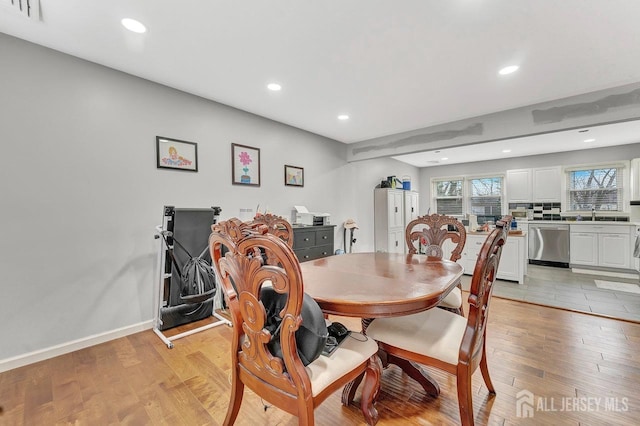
(301, 216)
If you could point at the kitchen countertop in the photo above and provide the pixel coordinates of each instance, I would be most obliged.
(485, 233)
(579, 222)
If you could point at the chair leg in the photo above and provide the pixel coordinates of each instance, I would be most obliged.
(237, 391)
(306, 417)
(371, 389)
(349, 390)
(485, 371)
(465, 401)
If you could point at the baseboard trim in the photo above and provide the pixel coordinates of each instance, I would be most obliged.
(630, 276)
(74, 345)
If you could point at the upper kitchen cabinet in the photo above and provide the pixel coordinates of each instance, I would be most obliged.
(547, 184)
(519, 186)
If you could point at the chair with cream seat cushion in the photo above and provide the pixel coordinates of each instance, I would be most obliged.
(445, 340)
(428, 234)
(282, 380)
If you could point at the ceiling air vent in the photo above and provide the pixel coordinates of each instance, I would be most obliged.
(27, 8)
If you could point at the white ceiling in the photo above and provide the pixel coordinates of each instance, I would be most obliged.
(391, 66)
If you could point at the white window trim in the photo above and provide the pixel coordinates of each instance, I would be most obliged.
(626, 191)
(466, 192)
(432, 183)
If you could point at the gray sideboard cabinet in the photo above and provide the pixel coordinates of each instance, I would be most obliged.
(313, 242)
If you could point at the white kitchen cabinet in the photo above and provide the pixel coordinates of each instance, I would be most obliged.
(538, 185)
(583, 248)
(471, 251)
(607, 246)
(519, 186)
(547, 184)
(614, 251)
(512, 260)
(389, 220)
(512, 266)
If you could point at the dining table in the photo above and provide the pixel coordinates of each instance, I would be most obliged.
(377, 284)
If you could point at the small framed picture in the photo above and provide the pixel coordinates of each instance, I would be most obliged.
(176, 154)
(293, 176)
(245, 165)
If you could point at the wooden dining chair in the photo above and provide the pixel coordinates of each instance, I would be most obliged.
(276, 225)
(430, 232)
(280, 378)
(442, 339)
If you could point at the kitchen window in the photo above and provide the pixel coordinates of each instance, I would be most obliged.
(457, 197)
(595, 188)
(485, 196)
(449, 197)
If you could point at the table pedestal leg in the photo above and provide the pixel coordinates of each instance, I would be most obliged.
(414, 371)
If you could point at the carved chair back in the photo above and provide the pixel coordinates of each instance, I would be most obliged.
(278, 226)
(432, 231)
(242, 273)
(480, 292)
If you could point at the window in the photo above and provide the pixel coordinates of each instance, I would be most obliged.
(449, 196)
(485, 197)
(598, 188)
(481, 196)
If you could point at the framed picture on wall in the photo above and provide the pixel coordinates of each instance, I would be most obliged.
(176, 154)
(245, 165)
(293, 176)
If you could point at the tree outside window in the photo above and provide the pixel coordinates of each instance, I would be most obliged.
(449, 195)
(595, 188)
(486, 196)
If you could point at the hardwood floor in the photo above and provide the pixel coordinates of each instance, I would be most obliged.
(561, 357)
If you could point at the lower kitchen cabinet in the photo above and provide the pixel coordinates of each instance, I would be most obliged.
(613, 251)
(583, 248)
(313, 242)
(513, 264)
(607, 246)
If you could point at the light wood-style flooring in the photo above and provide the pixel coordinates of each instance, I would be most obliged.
(561, 357)
(562, 288)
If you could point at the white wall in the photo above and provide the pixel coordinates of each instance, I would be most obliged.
(81, 193)
(586, 156)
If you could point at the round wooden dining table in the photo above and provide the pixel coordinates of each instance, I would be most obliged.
(373, 285)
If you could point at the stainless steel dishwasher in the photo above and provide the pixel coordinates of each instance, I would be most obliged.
(549, 244)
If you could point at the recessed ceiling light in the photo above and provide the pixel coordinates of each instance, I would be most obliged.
(506, 150)
(589, 140)
(444, 158)
(343, 117)
(508, 70)
(274, 87)
(133, 25)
